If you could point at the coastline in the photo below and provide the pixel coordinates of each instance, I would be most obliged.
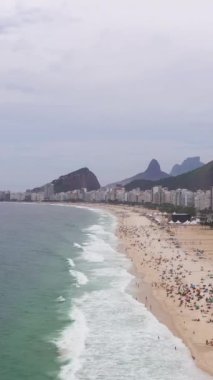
(163, 257)
(137, 329)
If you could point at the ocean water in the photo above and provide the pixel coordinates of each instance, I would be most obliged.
(65, 312)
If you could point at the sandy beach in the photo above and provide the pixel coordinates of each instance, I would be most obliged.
(174, 273)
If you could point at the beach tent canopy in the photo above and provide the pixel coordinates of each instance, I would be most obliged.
(187, 222)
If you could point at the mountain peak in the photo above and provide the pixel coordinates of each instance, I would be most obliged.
(189, 164)
(200, 178)
(153, 166)
(153, 172)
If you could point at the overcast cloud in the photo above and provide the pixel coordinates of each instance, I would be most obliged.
(104, 84)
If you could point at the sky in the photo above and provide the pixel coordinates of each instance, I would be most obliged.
(104, 84)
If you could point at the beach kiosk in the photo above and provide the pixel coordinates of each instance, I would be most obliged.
(181, 217)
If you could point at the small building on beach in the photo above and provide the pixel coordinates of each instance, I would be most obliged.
(181, 217)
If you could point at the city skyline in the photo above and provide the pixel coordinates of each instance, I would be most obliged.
(104, 85)
(199, 200)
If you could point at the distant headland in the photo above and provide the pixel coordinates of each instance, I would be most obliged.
(153, 187)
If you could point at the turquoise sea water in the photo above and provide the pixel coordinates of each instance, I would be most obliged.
(35, 243)
(64, 309)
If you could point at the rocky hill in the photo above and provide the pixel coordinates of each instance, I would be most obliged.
(201, 178)
(82, 178)
(189, 164)
(152, 173)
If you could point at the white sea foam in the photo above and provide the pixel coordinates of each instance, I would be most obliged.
(76, 245)
(81, 278)
(60, 299)
(99, 230)
(95, 228)
(120, 339)
(123, 342)
(94, 257)
(89, 208)
(71, 345)
(71, 263)
(92, 250)
(99, 243)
